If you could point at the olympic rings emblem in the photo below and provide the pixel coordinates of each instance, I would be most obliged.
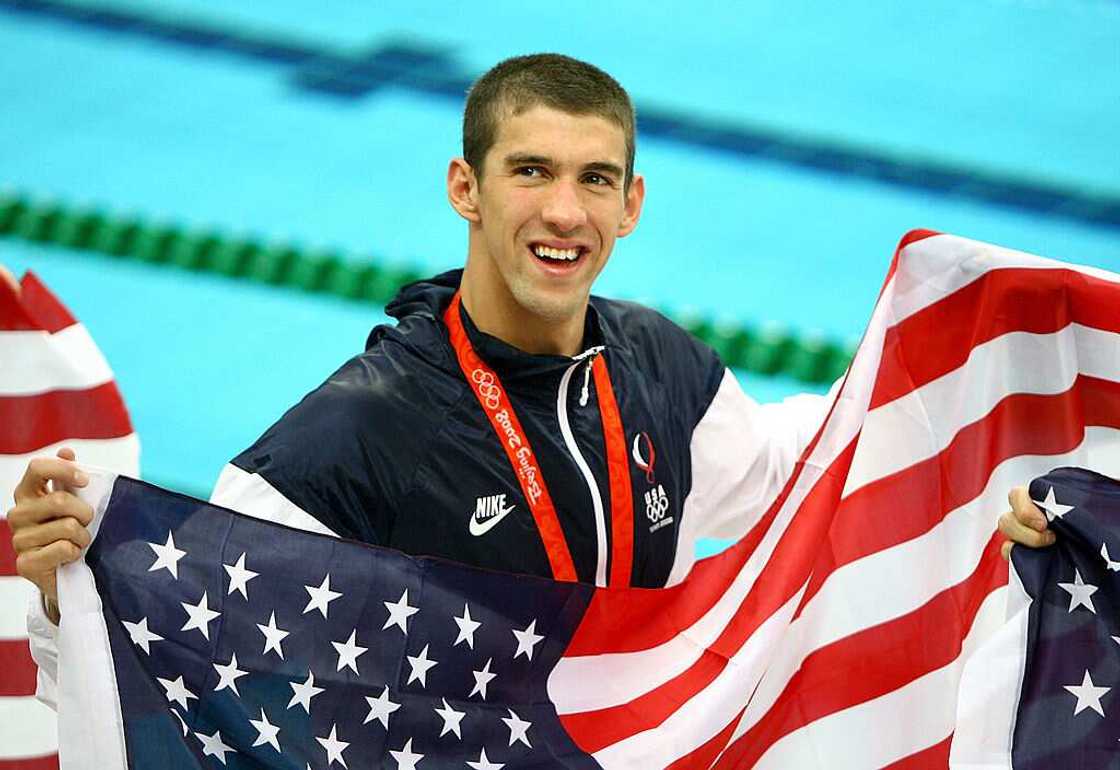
(487, 389)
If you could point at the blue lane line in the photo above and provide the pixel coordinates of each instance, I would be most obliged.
(433, 71)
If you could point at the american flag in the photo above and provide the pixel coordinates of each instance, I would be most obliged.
(1045, 693)
(833, 635)
(55, 389)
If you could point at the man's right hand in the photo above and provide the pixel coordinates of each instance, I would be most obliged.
(48, 522)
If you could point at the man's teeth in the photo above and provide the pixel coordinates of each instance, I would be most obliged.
(546, 251)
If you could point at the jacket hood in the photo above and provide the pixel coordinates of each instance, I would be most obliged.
(425, 297)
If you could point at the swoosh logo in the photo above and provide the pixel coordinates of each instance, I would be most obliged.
(478, 528)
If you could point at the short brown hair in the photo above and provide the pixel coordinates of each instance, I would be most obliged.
(551, 79)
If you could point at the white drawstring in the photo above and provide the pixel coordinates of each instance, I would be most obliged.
(584, 394)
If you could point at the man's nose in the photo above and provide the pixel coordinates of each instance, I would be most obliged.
(563, 208)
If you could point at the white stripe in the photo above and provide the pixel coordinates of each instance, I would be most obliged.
(119, 454)
(28, 728)
(38, 362)
(633, 674)
(677, 735)
(935, 267)
(902, 433)
(884, 585)
(990, 685)
(252, 495)
(886, 729)
(15, 592)
(581, 463)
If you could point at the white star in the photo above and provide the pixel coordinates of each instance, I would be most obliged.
(380, 708)
(1088, 695)
(1114, 566)
(484, 763)
(452, 720)
(140, 634)
(527, 640)
(199, 616)
(212, 746)
(1053, 509)
(334, 747)
(182, 722)
(239, 577)
(420, 666)
(303, 693)
(266, 732)
(406, 759)
(1079, 593)
(228, 674)
(467, 627)
(481, 679)
(517, 728)
(167, 556)
(273, 636)
(321, 596)
(177, 691)
(399, 613)
(348, 652)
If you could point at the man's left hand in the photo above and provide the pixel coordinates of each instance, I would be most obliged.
(1025, 524)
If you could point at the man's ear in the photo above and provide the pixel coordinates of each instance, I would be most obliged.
(462, 189)
(635, 196)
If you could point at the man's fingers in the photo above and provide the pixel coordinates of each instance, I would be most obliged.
(38, 536)
(1014, 529)
(55, 505)
(66, 453)
(1005, 550)
(39, 565)
(42, 470)
(1025, 510)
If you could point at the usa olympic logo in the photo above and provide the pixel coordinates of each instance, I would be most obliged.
(487, 389)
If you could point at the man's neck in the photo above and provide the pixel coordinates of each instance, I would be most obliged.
(495, 312)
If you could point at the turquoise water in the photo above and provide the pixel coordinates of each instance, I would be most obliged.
(1024, 91)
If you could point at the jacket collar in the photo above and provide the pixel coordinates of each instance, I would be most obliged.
(430, 298)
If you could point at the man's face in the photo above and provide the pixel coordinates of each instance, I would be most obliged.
(550, 205)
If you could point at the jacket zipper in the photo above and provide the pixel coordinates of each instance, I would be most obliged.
(587, 357)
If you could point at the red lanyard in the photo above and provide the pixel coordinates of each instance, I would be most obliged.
(491, 395)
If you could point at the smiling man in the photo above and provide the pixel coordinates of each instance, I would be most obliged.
(509, 419)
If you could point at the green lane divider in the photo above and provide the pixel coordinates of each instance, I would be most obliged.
(769, 349)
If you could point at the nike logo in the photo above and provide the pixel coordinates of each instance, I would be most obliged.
(488, 511)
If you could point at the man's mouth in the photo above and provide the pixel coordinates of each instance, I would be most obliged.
(557, 256)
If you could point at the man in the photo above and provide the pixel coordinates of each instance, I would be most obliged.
(509, 420)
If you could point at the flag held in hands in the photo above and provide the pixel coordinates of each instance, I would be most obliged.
(833, 635)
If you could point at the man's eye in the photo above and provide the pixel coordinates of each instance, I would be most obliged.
(533, 172)
(598, 180)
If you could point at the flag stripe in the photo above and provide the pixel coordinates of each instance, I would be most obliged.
(927, 345)
(7, 551)
(36, 308)
(936, 757)
(1024, 424)
(37, 735)
(15, 592)
(901, 433)
(879, 659)
(48, 762)
(18, 667)
(36, 421)
(919, 715)
(38, 362)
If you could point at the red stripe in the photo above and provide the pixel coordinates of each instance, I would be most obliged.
(36, 308)
(870, 519)
(19, 670)
(936, 757)
(7, 552)
(703, 757)
(618, 472)
(33, 422)
(49, 762)
(874, 661)
(939, 338)
(778, 581)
